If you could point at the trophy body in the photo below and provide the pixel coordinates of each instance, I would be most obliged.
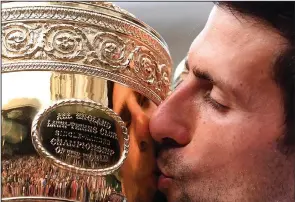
(80, 81)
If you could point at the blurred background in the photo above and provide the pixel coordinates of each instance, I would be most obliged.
(177, 22)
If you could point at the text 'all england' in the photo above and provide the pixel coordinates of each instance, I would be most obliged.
(85, 117)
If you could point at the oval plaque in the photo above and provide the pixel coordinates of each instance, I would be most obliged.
(81, 136)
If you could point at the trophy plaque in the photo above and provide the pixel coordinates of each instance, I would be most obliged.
(80, 82)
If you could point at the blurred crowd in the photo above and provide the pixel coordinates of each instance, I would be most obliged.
(33, 176)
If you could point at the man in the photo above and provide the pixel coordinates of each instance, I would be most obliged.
(227, 131)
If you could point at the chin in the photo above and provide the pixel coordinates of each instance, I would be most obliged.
(175, 195)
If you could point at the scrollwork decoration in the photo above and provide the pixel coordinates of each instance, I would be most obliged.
(145, 66)
(163, 75)
(54, 34)
(19, 40)
(113, 50)
(65, 42)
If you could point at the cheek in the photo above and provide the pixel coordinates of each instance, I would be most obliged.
(235, 139)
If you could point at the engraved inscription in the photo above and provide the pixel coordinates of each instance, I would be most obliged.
(82, 139)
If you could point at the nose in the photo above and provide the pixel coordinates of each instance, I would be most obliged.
(172, 119)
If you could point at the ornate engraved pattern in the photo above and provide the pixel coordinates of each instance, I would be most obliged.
(19, 40)
(97, 19)
(93, 172)
(68, 43)
(149, 71)
(113, 50)
(64, 42)
(93, 40)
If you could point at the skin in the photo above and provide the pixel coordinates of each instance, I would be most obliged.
(210, 152)
(137, 173)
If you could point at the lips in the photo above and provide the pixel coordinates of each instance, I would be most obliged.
(164, 180)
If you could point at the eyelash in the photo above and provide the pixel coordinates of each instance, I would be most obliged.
(216, 105)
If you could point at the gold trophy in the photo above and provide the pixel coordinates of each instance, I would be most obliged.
(80, 81)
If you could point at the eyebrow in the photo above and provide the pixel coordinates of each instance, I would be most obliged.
(201, 74)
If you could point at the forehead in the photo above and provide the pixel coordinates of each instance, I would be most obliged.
(240, 52)
(236, 43)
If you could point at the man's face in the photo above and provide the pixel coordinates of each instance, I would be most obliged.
(218, 131)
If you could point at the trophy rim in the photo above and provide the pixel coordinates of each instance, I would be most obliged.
(88, 6)
(41, 21)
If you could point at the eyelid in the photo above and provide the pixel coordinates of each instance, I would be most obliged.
(220, 97)
(214, 103)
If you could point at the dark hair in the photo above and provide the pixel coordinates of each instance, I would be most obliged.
(281, 16)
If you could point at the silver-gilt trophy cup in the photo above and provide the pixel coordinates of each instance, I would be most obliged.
(80, 81)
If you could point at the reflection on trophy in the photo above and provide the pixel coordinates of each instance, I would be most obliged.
(80, 82)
